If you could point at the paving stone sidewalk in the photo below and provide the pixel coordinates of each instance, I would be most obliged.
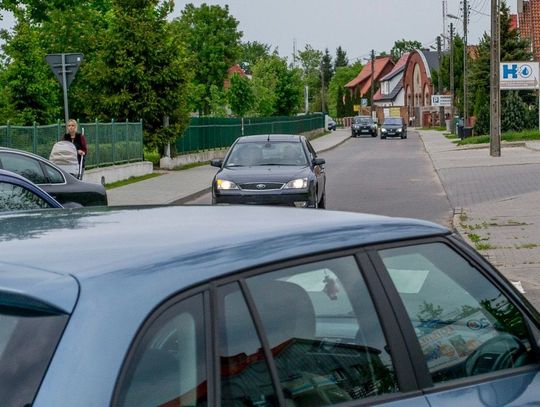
(506, 231)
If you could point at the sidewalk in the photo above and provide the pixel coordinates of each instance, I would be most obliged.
(184, 185)
(506, 231)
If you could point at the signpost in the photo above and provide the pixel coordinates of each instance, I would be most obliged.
(520, 75)
(64, 67)
(441, 100)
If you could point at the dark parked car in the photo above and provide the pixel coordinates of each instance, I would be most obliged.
(61, 185)
(363, 125)
(332, 125)
(19, 194)
(277, 169)
(394, 127)
(231, 306)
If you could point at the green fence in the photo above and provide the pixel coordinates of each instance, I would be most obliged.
(108, 143)
(207, 133)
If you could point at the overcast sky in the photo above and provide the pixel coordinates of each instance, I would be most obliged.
(357, 25)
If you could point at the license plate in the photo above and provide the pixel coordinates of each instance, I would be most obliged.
(365, 131)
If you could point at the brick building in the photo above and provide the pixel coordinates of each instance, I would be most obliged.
(529, 23)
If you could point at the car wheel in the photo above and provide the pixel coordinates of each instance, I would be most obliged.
(322, 202)
(374, 134)
(383, 137)
(403, 136)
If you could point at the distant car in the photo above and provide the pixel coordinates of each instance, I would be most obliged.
(331, 124)
(19, 194)
(58, 183)
(394, 127)
(363, 125)
(276, 169)
(250, 306)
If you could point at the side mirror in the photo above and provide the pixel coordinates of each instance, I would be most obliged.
(318, 161)
(216, 163)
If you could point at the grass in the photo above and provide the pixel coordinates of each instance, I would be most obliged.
(191, 165)
(510, 136)
(130, 180)
(152, 156)
(527, 246)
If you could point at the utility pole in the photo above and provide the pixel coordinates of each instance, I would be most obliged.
(441, 108)
(465, 56)
(495, 92)
(452, 90)
(372, 80)
(444, 12)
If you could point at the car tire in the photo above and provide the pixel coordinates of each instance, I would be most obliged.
(383, 137)
(374, 134)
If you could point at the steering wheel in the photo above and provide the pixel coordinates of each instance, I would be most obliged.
(501, 352)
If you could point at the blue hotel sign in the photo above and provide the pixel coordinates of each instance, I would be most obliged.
(519, 75)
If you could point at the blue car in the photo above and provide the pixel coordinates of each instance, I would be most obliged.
(253, 306)
(19, 194)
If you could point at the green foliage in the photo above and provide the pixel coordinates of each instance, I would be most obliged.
(336, 90)
(482, 119)
(403, 46)
(513, 112)
(240, 95)
(217, 101)
(310, 60)
(141, 72)
(213, 42)
(341, 58)
(278, 90)
(251, 53)
(458, 72)
(28, 88)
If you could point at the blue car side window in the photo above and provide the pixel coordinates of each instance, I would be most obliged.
(168, 366)
(464, 324)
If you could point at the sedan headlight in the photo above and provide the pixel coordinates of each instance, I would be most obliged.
(399, 130)
(300, 183)
(223, 185)
(383, 130)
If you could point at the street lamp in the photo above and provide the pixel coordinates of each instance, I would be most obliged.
(465, 55)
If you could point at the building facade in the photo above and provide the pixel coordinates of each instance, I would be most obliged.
(529, 23)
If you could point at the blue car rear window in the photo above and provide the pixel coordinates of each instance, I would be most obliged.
(27, 342)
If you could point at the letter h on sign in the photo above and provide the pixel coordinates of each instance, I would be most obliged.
(510, 71)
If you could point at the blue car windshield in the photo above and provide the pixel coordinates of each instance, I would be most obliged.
(267, 153)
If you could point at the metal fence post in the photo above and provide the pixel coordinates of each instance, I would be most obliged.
(113, 142)
(34, 137)
(96, 137)
(8, 134)
(127, 144)
(142, 139)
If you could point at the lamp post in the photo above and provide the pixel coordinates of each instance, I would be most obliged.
(465, 56)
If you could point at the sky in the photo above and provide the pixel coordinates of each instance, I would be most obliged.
(358, 26)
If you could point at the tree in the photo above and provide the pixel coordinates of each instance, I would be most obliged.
(240, 95)
(514, 112)
(310, 60)
(403, 46)
(251, 53)
(278, 89)
(213, 41)
(29, 90)
(141, 71)
(341, 77)
(341, 58)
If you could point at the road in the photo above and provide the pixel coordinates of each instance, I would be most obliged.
(389, 177)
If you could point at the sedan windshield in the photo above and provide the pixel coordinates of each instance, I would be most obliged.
(363, 120)
(393, 122)
(266, 153)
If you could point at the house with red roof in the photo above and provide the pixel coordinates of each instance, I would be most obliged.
(230, 72)
(361, 85)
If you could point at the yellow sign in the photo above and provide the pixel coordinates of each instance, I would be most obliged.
(395, 112)
(356, 108)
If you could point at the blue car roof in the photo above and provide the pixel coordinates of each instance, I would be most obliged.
(89, 243)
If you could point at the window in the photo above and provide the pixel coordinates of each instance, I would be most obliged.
(245, 377)
(25, 166)
(14, 197)
(55, 177)
(464, 324)
(168, 365)
(323, 331)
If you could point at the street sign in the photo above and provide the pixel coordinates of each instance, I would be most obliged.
(70, 65)
(519, 75)
(363, 101)
(441, 100)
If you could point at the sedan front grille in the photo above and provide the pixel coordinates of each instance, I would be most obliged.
(261, 186)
